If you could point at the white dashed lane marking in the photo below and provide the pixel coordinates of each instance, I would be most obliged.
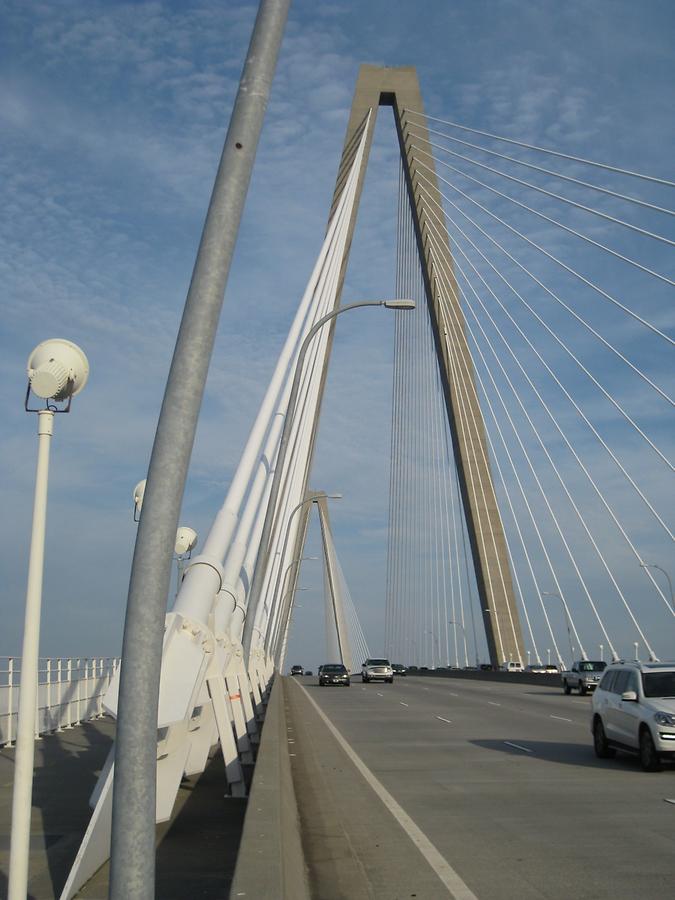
(562, 718)
(518, 747)
(492, 703)
(444, 720)
(402, 703)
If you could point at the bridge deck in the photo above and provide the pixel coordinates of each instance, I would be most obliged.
(545, 821)
(197, 849)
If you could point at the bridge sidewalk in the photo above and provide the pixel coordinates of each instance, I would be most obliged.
(197, 849)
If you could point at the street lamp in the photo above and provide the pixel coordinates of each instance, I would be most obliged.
(265, 538)
(186, 541)
(567, 620)
(670, 583)
(438, 649)
(313, 497)
(57, 371)
(453, 622)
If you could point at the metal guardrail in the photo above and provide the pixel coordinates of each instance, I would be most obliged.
(70, 691)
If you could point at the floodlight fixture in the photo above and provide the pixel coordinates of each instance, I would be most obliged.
(139, 493)
(57, 370)
(186, 540)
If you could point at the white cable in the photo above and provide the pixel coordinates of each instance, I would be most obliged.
(541, 190)
(557, 380)
(529, 509)
(541, 215)
(562, 303)
(557, 153)
(548, 456)
(555, 259)
(521, 162)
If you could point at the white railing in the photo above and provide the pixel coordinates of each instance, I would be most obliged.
(70, 691)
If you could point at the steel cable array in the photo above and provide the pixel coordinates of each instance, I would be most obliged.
(529, 354)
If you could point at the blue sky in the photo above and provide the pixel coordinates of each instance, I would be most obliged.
(113, 117)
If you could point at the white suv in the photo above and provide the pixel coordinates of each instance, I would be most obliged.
(633, 708)
(377, 670)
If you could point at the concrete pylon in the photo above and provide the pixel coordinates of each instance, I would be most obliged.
(399, 89)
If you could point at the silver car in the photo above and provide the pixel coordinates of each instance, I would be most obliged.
(377, 670)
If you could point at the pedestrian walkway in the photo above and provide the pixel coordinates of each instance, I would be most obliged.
(196, 852)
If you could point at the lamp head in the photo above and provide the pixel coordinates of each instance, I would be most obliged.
(57, 370)
(139, 493)
(399, 304)
(186, 540)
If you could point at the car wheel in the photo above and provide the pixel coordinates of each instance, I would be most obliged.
(364, 679)
(390, 680)
(348, 684)
(648, 755)
(600, 742)
(583, 690)
(566, 688)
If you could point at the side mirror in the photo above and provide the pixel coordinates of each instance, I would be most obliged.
(629, 695)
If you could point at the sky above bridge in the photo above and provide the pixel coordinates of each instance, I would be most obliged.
(113, 117)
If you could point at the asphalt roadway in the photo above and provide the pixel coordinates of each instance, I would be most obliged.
(499, 780)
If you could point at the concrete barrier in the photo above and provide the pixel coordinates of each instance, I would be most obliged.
(554, 681)
(271, 863)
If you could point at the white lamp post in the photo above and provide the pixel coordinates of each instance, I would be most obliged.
(272, 628)
(265, 538)
(670, 583)
(567, 621)
(57, 370)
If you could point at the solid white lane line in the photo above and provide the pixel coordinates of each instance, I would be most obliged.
(444, 720)
(518, 747)
(402, 703)
(562, 718)
(492, 703)
(456, 888)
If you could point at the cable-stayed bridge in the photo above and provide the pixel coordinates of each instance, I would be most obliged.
(531, 447)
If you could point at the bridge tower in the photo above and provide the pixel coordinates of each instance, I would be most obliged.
(399, 89)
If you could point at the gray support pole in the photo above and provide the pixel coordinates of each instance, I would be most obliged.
(132, 865)
(265, 547)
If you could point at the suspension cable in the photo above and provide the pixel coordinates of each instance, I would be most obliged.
(588, 162)
(528, 165)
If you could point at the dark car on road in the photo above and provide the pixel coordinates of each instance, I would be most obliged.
(297, 670)
(399, 669)
(334, 673)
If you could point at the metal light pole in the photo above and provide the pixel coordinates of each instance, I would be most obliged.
(57, 370)
(313, 497)
(670, 583)
(475, 645)
(265, 538)
(567, 620)
(132, 851)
